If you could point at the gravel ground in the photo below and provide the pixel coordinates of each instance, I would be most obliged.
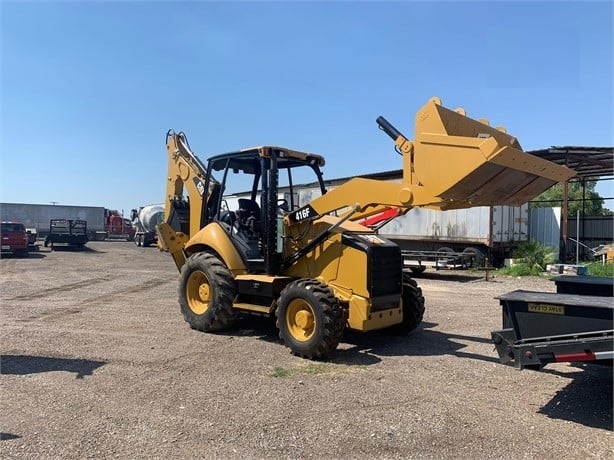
(97, 362)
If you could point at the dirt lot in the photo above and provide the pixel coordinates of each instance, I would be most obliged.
(97, 362)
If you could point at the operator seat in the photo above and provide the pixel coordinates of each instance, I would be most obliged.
(248, 215)
(248, 231)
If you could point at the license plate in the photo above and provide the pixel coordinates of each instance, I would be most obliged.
(6, 247)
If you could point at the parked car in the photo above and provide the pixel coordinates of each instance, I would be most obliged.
(13, 238)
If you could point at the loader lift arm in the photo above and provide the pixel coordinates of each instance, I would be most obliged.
(454, 162)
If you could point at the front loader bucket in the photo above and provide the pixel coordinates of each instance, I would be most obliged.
(468, 163)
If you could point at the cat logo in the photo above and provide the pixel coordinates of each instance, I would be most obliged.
(199, 186)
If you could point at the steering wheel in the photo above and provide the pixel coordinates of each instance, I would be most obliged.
(283, 206)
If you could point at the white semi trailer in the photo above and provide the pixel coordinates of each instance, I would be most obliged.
(455, 238)
(102, 223)
(481, 234)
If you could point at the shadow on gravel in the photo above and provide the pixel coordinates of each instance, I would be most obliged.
(451, 276)
(587, 399)
(29, 255)
(25, 364)
(421, 342)
(8, 436)
(85, 249)
(261, 326)
(368, 348)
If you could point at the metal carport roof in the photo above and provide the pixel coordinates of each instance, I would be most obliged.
(587, 162)
(592, 163)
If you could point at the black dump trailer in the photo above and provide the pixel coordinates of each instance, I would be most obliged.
(67, 232)
(575, 324)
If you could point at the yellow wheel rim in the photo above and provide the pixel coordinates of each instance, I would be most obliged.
(300, 320)
(198, 292)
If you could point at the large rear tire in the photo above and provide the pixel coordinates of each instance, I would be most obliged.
(206, 293)
(310, 318)
(413, 307)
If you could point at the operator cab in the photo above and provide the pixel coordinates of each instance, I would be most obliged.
(255, 191)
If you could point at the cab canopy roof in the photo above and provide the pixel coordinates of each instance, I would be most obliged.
(247, 160)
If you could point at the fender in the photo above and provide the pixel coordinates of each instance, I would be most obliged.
(213, 236)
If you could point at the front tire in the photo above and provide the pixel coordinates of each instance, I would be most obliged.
(206, 293)
(310, 318)
(413, 307)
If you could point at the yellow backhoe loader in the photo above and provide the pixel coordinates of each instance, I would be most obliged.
(315, 268)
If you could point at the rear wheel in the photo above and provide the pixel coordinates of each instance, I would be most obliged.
(413, 307)
(445, 252)
(475, 256)
(206, 293)
(310, 318)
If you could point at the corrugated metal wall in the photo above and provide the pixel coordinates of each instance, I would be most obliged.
(545, 227)
(593, 230)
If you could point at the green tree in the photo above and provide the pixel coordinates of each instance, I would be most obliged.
(593, 204)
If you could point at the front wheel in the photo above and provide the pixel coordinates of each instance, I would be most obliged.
(206, 293)
(413, 307)
(310, 318)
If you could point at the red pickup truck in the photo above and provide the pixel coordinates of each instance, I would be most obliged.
(13, 238)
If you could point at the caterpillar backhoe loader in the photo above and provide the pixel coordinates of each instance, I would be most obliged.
(315, 268)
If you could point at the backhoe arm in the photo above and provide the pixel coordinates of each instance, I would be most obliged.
(454, 162)
(186, 173)
(183, 215)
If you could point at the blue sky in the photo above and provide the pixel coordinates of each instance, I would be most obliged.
(89, 89)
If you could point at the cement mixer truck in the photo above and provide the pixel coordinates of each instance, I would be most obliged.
(144, 221)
